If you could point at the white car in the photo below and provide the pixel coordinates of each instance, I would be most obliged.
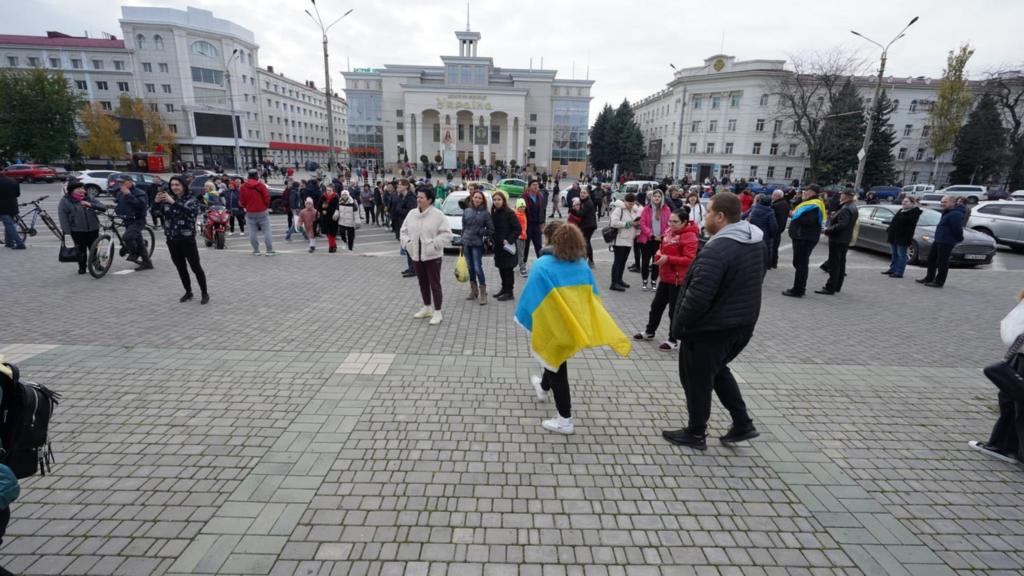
(918, 190)
(1002, 220)
(970, 191)
(95, 180)
(453, 211)
(1017, 196)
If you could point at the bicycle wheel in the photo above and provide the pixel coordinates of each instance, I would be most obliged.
(22, 229)
(149, 237)
(101, 256)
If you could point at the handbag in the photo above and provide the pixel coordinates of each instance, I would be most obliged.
(610, 233)
(1006, 374)
(67, 253)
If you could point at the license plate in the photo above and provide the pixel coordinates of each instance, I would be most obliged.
(974, 256)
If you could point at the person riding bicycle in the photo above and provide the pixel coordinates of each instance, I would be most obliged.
(132, 205)
(77, 214)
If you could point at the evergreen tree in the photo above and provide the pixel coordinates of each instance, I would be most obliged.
(627, 138)
(878, 166)
(842, 136)
(37, 115)
(601, 146)
(980, 145)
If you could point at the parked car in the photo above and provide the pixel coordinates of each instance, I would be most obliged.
(453, 210)
(886, 193)
(930, 200)
(514, 186)
(997, 194)
(634, 187)
(95, 180)
(918, 190)
(195, 187)
(30, 172)
(142, 180)
(1017, 196)
(874, 220)
(1002, 220)
(970, 191)
(486, 186)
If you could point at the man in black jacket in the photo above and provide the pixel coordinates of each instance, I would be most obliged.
(132, 205)
(404, 201)
(840, 233)
(10, 190)
(805, 231)
(780, 206)
(715, 320)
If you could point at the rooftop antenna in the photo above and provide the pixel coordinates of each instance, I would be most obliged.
(467, 16)
(531, 63)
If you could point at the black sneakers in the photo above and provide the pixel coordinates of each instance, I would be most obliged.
(993, 451)
(739, 434)
(682, 437)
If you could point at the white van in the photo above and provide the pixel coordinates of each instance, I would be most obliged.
(916, 190)
(970, 191)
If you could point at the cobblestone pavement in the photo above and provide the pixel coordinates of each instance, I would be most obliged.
(304, 423)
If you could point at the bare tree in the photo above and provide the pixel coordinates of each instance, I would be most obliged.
(805, 94)
(1007, 88)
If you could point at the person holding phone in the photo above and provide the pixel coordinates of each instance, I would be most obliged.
(626, 219)
(179, 210)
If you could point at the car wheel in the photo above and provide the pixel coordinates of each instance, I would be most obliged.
(912, 253)
(49, 180)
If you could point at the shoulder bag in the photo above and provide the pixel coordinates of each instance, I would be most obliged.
(67, 253)
(610, 233)
(1006, 375)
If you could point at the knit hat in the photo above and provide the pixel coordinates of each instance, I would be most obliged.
(520, 203)
(309, 201)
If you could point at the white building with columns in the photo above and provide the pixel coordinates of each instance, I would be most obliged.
(467, 110)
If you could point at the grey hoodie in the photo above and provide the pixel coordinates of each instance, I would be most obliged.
(742, 232)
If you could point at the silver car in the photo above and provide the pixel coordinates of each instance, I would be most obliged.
(874, 220)
(1002, 220)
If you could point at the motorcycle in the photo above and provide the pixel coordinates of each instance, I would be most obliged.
(215, 226)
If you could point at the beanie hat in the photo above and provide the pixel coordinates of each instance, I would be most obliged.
(520, 203)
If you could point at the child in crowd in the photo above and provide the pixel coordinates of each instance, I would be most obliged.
(521, 242)
(308, 217)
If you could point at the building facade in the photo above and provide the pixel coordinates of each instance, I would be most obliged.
(294, 120)
(467, 111)
(720, 120)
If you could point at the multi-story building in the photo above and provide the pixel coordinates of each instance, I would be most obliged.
(100, 69)
(730, 125)
(467, 109)
(294, 120)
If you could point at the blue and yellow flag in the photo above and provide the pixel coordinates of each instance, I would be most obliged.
(812, 204)
(561, 309)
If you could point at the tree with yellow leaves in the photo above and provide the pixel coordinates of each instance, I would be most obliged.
(157, 132)
(102, 140)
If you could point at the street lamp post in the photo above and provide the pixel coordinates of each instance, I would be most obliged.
(679, 133)
(234, 121)
(863, 156)
(327, 79)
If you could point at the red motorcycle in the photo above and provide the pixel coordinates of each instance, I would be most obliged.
(215, 226)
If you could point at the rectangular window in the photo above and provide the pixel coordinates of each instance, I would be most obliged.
(399, 113)
(712, 126)
(696, 102)
(716, 102)
(789, 172)
(208, 76)
(166, 88)
(709, 148)
(728, 147)
(533, 142)
(764, 100)
(12, 61)
(533, 129)
(33, 61)
(147, 67)
(533, 117)
(150, 88)
(773, 150)
(902, 154)
(122, 86)
(153, 107)
(757, 148)
(118, 64)
(462, 133)
(913, 177)
(401, 137)
(437, 132)
(164, 68)
(913, 105)
(101, 85)
(173, 128)
(792, 149)
(54, 62)
(770, 173)
(920, 154)
(400, 126)
(695, 126)
(693, 147)
(81, 84)
(76, 63)
(734, 101)
(731, 126)
(908, 129)
(97, 64)
(753, 172)
(925, 131)
(106, 106)
(777, 128)
(759, 126)
(495, 134)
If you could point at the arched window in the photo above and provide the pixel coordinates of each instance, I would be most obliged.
(205, 48)
(140, 42)
(158, 42)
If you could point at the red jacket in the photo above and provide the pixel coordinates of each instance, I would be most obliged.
(254, 196)
(681, 249)
(746, 200)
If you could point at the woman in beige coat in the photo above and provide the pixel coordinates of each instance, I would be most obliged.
(424, 235)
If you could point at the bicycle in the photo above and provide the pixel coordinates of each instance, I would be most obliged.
(101, 254)
(26, 229)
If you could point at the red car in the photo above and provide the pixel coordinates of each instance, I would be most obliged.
(30, 172)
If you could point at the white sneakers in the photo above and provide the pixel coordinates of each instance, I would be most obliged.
(425, 312)
(435, 318)
(542, 394)
(559, 425)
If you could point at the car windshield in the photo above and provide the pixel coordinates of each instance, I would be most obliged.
(929, 218)
(451, 205)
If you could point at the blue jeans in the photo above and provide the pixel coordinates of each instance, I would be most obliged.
(11, 237)
(257, 221)
(475, 259)
(898, 262)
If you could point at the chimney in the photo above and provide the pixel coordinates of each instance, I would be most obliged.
(270, 69)
(52, 34)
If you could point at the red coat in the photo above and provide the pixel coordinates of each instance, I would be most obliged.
(681, 249)
(745, 201)
(254, 196)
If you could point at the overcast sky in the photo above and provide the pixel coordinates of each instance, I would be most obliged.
(627, 45)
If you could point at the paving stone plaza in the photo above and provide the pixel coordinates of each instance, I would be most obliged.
(304, 423)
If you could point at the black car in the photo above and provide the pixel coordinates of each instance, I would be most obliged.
(143, 181)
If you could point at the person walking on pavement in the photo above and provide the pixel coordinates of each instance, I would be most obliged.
(132, 207)
(307, 217)
(625, 218)
(231, 202)
(556, 202)
(10, 191)
(179, 210)
(404, 202)
(586, 212)
(948, 233)
(900, 234)
(77, 214)
(715, 319)
(506, 236)
(534, 216)
(780, 206)
(254, 198)
(805, 230)
(1006, 441)
(762, 216)
(293, 205)
(424, 234)
(348, 216)
(477, 227)
(674, 257)
(840, 232)
(521, 244)
(329, 218)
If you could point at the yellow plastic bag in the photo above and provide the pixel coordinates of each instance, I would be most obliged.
(461, 269)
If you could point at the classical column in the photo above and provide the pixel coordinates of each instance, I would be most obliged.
(521, 149)
(422, 143)
(410, 136)
(477, 120)
(508, 138)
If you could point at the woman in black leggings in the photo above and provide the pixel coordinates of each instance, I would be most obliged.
(180, 210)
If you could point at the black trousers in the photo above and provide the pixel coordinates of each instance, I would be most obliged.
(508, 280)
(636, 253)
(666, 295)
(703, 367)
(938, 263)
(775, 249)
(837, 265)
(348, 235)
(802, 250)
(1008, 431)
(133, 240)
(535, 236)
(241, 222)
(371, 214)
(558, 384)
(83, 241)
(647, 250)
(619, 265)
(185, 254)
(587, 234)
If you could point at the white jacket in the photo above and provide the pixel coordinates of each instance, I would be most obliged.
(620, 216)
(425, 234)
(348, 213)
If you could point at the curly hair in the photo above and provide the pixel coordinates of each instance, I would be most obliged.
(568, 243)
(550, 228)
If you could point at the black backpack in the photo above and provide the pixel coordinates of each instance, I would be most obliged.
(25, 413)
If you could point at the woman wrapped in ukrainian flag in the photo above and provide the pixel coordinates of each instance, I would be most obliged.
(561, 309)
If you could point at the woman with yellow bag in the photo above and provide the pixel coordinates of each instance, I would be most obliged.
(424, 235)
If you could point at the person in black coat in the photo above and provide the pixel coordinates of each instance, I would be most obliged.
(506, 232)
(840, 233)
(762, 216)
(719, 306)
(403, 201)
(900, 234)
(587, 213)
(10, 190)
(780, 206)
(805, 231)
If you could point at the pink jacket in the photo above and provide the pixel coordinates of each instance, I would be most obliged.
(646, 221)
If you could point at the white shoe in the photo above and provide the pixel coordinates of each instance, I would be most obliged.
(435, 318)
(542, 394)
(559, 425)
(425, 312)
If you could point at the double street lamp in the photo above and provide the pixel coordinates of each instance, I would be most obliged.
(234, 120)
(863, 155)
(327, 78)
